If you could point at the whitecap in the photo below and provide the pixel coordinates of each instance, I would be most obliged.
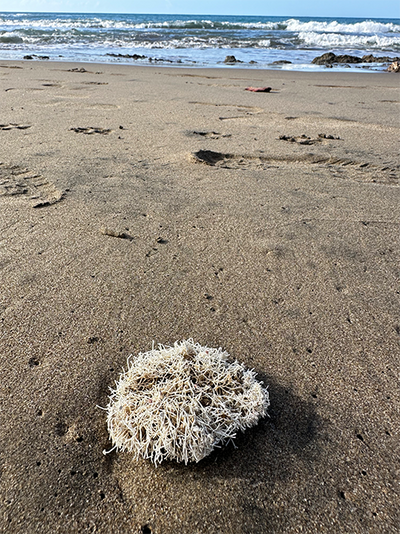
(336, 40)
(367, 26)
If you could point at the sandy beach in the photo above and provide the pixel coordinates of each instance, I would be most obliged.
(142, 204)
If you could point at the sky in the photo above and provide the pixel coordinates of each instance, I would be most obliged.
(306, 8)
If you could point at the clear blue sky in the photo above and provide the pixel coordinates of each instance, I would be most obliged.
(307, 8)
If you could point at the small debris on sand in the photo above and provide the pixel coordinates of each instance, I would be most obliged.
(394, 67)
(180, 402)
(115, 233)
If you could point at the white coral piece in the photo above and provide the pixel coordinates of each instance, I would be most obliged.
(180, 402)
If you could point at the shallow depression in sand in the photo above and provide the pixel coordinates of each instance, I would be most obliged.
(345, 168)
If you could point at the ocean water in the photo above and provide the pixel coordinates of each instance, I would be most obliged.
(197, 41)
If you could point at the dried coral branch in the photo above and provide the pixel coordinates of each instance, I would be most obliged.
(181, 402)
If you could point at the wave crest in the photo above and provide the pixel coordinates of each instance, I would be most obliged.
(367, 26)
(335, 40)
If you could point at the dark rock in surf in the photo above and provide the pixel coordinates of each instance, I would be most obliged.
(128, 56)
(382, 59)
(232, 60)
(329, 58)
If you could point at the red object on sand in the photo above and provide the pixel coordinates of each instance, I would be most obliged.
(258, 89)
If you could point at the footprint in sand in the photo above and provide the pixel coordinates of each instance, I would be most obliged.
(306, 140)
(10, 67)
(91, 130)
(17, 181)
(204, 134)
(13, 126)
(51, 85)
(76, 69)
(94, 83)
(360, 171)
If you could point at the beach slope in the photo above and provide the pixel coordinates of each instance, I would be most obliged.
(157, 204)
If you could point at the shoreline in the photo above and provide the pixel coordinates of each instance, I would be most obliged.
(377, 67)
(158, 204)
(223, 68)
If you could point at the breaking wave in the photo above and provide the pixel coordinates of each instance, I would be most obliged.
(199, 39)
(337, 41)
(364, 27)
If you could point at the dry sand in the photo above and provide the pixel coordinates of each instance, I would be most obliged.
(285, 252)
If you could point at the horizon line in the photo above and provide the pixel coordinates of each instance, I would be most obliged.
(200, 14)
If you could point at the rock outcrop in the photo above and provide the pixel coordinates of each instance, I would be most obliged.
(382, 59)
(231, 60)
(330, 58)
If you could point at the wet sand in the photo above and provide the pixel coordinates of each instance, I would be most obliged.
(141, 204)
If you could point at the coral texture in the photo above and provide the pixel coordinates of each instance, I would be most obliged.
(179, 403)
